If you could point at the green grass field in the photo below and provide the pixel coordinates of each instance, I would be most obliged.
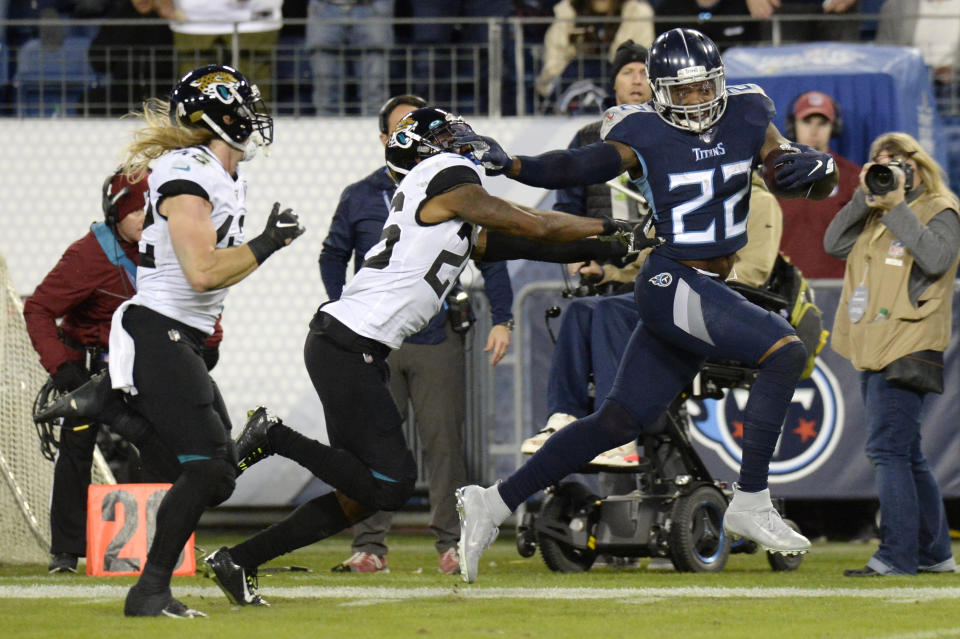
(514, 597)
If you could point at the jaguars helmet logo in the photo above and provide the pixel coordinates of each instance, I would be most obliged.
(220, 85)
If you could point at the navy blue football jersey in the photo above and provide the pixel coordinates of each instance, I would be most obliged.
(698, 185)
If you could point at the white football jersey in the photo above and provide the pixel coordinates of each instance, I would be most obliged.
(408, 273)
(161, 284)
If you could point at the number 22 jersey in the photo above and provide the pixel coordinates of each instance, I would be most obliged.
(408, 273)
(698, 185)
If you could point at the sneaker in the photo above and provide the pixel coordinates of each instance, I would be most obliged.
(752, 515)
(88, 400)
(362, 562)
(156, 605)
(477, 530)
(449, 562)
(947, 565)
(63, 562)
(239, 586)
(555, 423)
(625, 456)
(252, 444)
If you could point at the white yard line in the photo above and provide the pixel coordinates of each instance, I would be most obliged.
(101, 591)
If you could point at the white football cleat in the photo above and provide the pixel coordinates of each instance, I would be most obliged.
(477, 530)
(752, 516)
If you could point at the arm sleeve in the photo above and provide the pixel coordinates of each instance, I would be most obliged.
(934, 246)
(570, 200)
(337, 247)
(510, 247)
(496, 281)
(846, 226)
(64, 287)
(591, 164)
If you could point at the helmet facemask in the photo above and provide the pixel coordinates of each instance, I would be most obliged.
(693, 117)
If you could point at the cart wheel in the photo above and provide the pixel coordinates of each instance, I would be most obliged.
(780, 562)
(697, 540)
(526, 540)
(558, 510)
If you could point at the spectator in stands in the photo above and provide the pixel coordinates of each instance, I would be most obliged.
(203, 34)
(137, 60)
(572, 35)
(813, 118)
(356, 49)
(429, 367)
(724, 34)
(814, 29)
(92, 278)
(936, 32)
(893, 324)
(450, 40)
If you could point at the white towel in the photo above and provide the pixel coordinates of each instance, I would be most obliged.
(122, 352)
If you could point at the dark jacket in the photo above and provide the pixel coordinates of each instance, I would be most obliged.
(356, 227)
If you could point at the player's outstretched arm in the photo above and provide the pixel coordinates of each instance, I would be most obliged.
(590, 164)
(194, 241)
(800, 170)
(472, 203)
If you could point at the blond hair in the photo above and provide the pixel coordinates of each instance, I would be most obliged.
(899, 143)
(159, 135)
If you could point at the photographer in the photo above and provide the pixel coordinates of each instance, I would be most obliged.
(900, 236)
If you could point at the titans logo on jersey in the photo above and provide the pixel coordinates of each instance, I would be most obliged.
(406, 276)
(161, 284)
(698, 185)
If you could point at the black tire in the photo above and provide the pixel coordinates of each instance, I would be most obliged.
(558, 509)
(697, 540)
(785, 563)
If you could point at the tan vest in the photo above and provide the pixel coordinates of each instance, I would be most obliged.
(883, 265)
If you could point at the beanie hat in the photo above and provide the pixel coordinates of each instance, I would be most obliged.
(626, 53)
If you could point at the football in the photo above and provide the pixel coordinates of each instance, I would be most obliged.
(770, 173)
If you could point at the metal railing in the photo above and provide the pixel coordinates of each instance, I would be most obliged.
(63, 71)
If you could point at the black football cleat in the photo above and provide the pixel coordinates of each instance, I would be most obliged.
(63, 562)
(88, 401)
(239, 586)
(252, 444)
(156, 605)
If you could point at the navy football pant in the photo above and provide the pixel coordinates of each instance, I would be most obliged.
(686, 318)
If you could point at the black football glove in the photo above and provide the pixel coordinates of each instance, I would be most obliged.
(282, 228)
(70, 376)
(806, 166)
(486, 151)
(630, 234)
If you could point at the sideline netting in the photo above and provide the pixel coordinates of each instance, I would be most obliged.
(26, 478)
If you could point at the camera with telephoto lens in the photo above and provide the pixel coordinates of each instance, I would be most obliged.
(881, 178)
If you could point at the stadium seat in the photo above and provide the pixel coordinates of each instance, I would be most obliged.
(51, 82)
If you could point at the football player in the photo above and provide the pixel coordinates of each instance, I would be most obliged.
(191, 251)
(690, 151)
(439, 217)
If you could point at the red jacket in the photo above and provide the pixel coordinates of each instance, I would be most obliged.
(806, 221)
(84, 289)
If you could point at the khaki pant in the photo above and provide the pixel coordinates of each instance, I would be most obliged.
(256, 55)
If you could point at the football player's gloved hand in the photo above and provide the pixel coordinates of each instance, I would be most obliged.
(282, 228)
(630, 234)
(70, 376)
(806, 166)
(486, 151)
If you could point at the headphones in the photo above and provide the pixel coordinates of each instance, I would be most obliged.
(791, 128)
(109, 200)
(393, 103)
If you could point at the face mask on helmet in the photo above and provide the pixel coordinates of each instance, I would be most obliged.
(421, 134)
(220, 98)
(687, 78)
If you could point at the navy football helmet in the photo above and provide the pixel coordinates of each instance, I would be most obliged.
(680, 57)
(205, 95)
(422, 133)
